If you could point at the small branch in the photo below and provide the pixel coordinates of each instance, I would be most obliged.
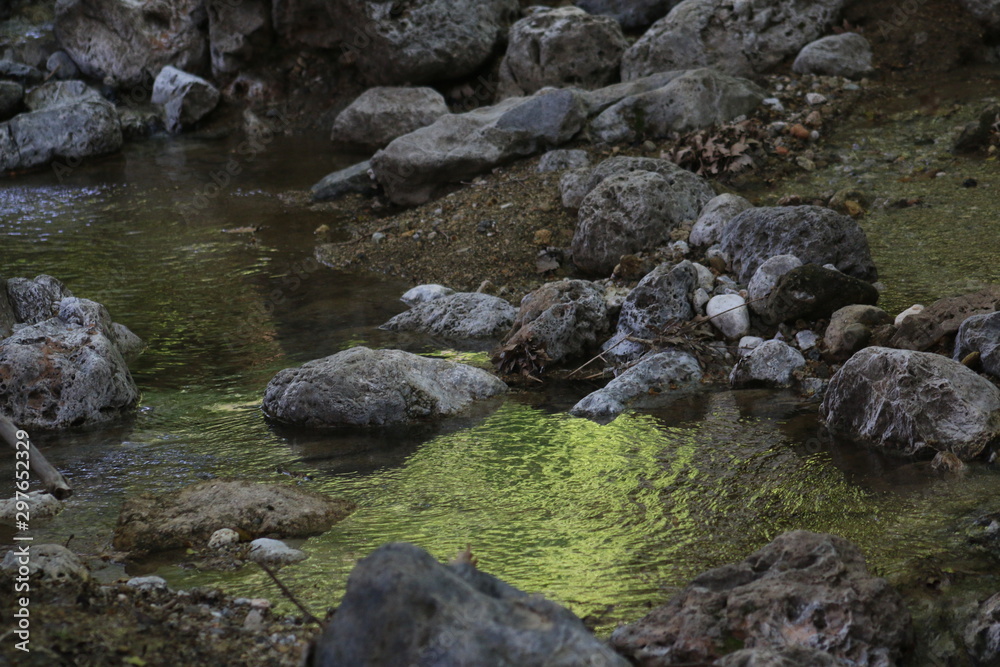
(53, 480)
(288, 594)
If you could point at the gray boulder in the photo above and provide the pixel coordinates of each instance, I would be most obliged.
(943, 318)
(90, 314)
(770, 364)
(714, 217)
(913, 402)
(558, 47)
(130, 42)
(661, 298)
(850, 329)
(631, 14)
(739, 38)
(381, 114)
(462, 316)
(402, 607)
(56, 93)
(692, 101)
(362, 387)
(980, 333)
(602, 98)
(803, 589)
(982, 636)
(344, 181)
(650, 383)
(34, 301)
(576, 190)
(458, 146)
(186, 98)
(562, 159)
(189, 515)
(11, 98)
(847, 54)
(237, 32)
(811, 233)
(766, 277)
(811, 292)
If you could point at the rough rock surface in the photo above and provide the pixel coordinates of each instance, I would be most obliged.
(848, 54)
(344, 181)
(631, 14)
(980, 333)
(789, 656)
(462, 316)
(650, 383)
(274, 552)
(237, 32)
(576, 190)
(602, 98)
(192, 513)
(914, 402)
(11, 97)
(383, 113)
(402, 607)
(562, 159)
(36, 300)
(55, 573)
(811, 233)
(740, 38)
(811, 292)
(943, 318)
(803, 589)
(55, 93)
(729, 315)
(770, 364)
(559, 47)
(86, 313)
(850, 329)
(424, 293)
(695, 100)
(186, 98)
(72, 130)
(766, 277)
(362, 387)
(714, 217)
(41, 506)
(982, 636)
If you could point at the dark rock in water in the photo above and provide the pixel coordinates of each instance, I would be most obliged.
(982, 636)
(813, 234)
(980, 333)
(943, 318)
(631, 14)
(383, 113)
(362, 387)
(912, 402)
(850, 329)
(458, 317)
(812, 292)
(11, 98)
(36, 300)
(345, 181)
(770, 364)
(189, 516)
(402, 607)
(803, 589)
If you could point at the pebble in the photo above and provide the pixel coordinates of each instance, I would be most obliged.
(150, 583)
(748, 344)
(799, 131)
(912, 310)
(806, 339)
(378, 237)
(774, 103)
(815, 98)
(223, 537)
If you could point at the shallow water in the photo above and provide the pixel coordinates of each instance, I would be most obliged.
(606, 519)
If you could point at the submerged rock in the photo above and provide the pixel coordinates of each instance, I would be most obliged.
(362, 387)
(383, 113)
(847, 54)
(770, 364)
(458, 317)
(402, 607)
(355, 178)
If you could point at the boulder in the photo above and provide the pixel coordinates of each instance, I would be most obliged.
(423, 293)
(770, 364)
(34, 301)
(559, 47)
(631, 14)
(740, 38)
(650, 383)
(191, 514)
(913, 402)
(56, 93)
(383, 113)
(811, 233)
(943, 318)
(982, 635)
(661, 298)
(980, 333)
(55, 574)
(602, 98)
(811, 292)
(847, 54)
(714, 217)
(130, 42)
(729, 314)
(576, 190)
(186, 98)
(90, 314)
(850, 329)
(562, 159)
(457, 317)
(362, 387)
(402, 607)
(237, 32)
(354, 179)
(396, 44)
(11, 98)
(804, 589)
(458, 146)
(766, 277)
(695, 100)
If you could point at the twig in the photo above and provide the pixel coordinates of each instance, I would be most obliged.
(288, 594)
(53, 480)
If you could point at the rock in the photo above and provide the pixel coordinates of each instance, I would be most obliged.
(914, 402)
(771, 364)
(850, 329)
(424, 293)
(982, 635)
(130, 42)
(274, 552)
(748, 344)
(61, 67)
(458, 146)
(78, 130)
(37, 300)
(975, 136)
(381, 114)
(650, 383)
(912, 310)
(19, 72)
(631, 14)
(191, 514)
(695, 100)
(847, 54)
(129, 344)
(811, 292)
(602, 98)
(714, 217)
(811, 233)
(980, 333)
(788, 656)
(223, 537)
(462, 316)
(740, 38)
(803, 589)
(150, 583)
(436, 40)
(562, 159)
(943, 318)
(53, 572)
(729, 315)
(356, 178)
(660, 299)
(766, 277)
(573, 187)
(362, 387)
(679, 178)
(402, 607)
(11, 98)
(806, 339)
(41, 506)
(559, 47)
(56, 93)
(186, 98)
(87, 313)
(237, 32)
